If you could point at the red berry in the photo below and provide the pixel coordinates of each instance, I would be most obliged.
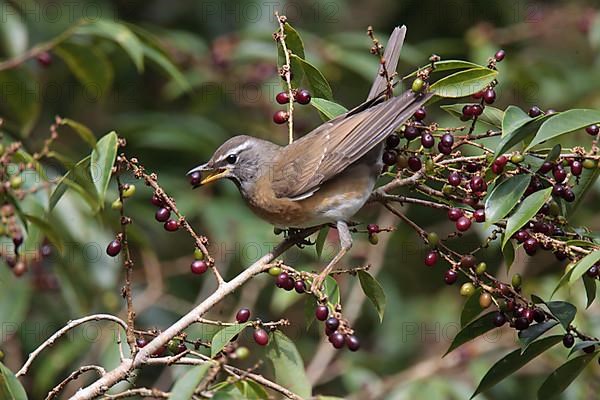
(195, 178)
(431, 258)
(242, 315)
(162, 214)
(414, 163)
(501, 161)
(420, 114)
(559, 174)
(454, 214)
(261, 337)
(546, 167)
(352, 342)
(282, 98)
(528, 313)
(478, 95)
(44, 59)
(593, 130)
(463, 224)
(171, 225)
(497, 169)
(568, 195)
(450, 276)
(199, 267)
(156, 200)
(303, 96)
(478, 184)
(558, 190)
(477, 110)
(500, 54)
(467, 111)
(530, 245)
(479, 215)
(373, 228)
(489, 96)
(321, 313)
(114, 248)
(280, 117)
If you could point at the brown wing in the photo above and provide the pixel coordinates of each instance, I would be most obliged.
(333, 146)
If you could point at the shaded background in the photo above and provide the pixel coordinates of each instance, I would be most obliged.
(227, 53)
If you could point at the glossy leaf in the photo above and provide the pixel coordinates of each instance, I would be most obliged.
(527, 210)
(184, 387)
(560, 379)
(102, 161)
(293, 41)
(318, 84)
(514, 118)
(287, 365)
(565, 122)
(10, 387)
(504, 197)
(79, 179)
(514, 361)
(89, 65)
(373, 291)
(473, 330)
(491, 115)
(447, 65)
(320, 243)
(328, 108)
(471, 309)
(83, 131)
(464, 83)
(508, 252)
(563, 311)
(527, 336)
(118, 33)
(223, 336)
(518, 132)
(583, 265)
(590, 290)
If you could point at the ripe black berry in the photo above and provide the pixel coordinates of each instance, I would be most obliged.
(568, 340)
(141, 342)
(535, 111)
(114, 248)
(171, 225)
(521, 323)
(162, 214)
(559, 174)
(284, 281)
(299, 286)
(500, 54)
(414, 163)
(242, 315)
(531, 245)
(592, 272)
(195, 178)
(454, 179)
(332, 323)
(392, 141)
(261, 337)
(568, 194)
(477, 184)
(280, 117)
(431, 258)
(463, 224)
(411, 132)
(593, 130)
(321, 313)
(447, 140)
(538, 315)
(558, 190)
(427, 140)
(489, 96)
(589, 349)
(454, 214)
(303, 96)
(444, 149)
(576, 168)
(352, 342)
(156, 200)
(390, 157)
(450, 276)
(337, 340)
(479, 215)
(198, 267)
(420, 114)
(282, 98)
(499, 319)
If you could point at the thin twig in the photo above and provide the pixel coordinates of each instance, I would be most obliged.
(73, 376)
(287, 74)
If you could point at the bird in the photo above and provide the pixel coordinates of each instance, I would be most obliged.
(327, 175)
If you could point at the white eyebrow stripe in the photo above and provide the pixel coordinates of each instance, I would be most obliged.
(235, 150)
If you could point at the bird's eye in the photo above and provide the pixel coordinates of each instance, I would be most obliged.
(231, 159)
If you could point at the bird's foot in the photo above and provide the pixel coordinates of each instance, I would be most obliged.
(317, 283)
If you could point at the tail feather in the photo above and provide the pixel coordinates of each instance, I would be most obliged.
(391, 56)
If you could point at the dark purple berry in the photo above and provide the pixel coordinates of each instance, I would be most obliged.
(332, 323)
(141, 342)
(531, 245)
(195, 178)
(546, 167)
(447, 140)
(500, 54)
(576, 168)
(568, 340)
(321, 313)
(420, 114)
(477, 110)
(444, 149)
(261, 337)
(114, 248)
(280, 117)
(477, 184)
(559, 174)
(568, 194)
(534, 112)
(463, 224)
(414, 163)
(392, 141)
(454, 214)
(198, 267)
(450, 277)
(592, 272)
(592, 130)
(282, 98)
(431, 258)
(373, 228)
(390, 157)
(299, 286)
(411, 132)
(454, 179)
(427, 140)
(589, 349)
(489, 96)
(499, 319)
(352, 342)
(171, 225)
(521, 323)
(242, 315)
(303, 96)
(538, 315)
(479, 215)
(558, 190)
(162, 214)
(155, 200)
(337, 340)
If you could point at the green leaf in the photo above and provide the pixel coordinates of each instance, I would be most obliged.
(527, 336)
(563, 280)
(582, 345)
(293, 41)
(373, 291)
(332, 290)
(563, 311)
(21, 99)
(560, 379)
(590, 290)
(527, 210)
(48, 231)
(167, 66)
(514, 118)
(310, 304)
(102, 161)
(491, 115)
(504, 197)
(288, 365)
(10, 387)
(118, 33)
(565, 122)
(89, 65)
(321, 241)
(328, 108)
(474, 329)
(79, 179)
(447, 65)
(184, 387)
(517, 131)
(471, 309)
(508, 252)
(464, 83)
(13, 31)
(514, 361)
(583, 265)
(318, 84)
(224, 336)
(83, 131)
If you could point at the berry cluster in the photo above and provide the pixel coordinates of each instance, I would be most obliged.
(336, 330)
(301, 96)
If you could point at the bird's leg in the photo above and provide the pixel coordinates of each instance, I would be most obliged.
(345, 245)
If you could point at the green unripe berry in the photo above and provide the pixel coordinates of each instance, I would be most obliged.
(172, 346)
(198, 254)
(418, 85)
(128, 191)
(467, 289)
(589, 163)
(554, 209)
(517, 158)
(274, 271)
(16, 182)
(116, 205)
(429, 166)
(242, 353)
(448, 189)
(485, 300)
(481, 268)
(433, 239)
(373, 238)
(516, 281)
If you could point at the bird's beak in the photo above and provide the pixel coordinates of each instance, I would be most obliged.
(212, 174)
